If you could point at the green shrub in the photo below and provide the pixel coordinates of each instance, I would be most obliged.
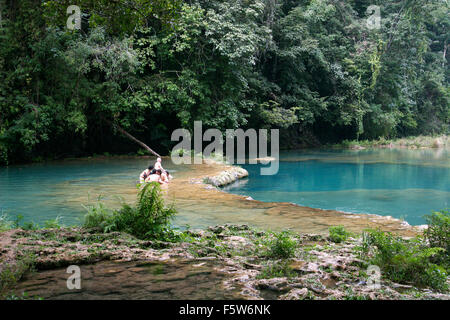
(5, 224)
(17, 224)
(404, 261)
(350, 295)
(438, 235)
(99, 216)
(24, 296)
(277, 270)
(30, 225)
(53, 223)
(149, 219)
(141, 152)
(11, 274)
(281, 246)
(436, 277)
(338, 234)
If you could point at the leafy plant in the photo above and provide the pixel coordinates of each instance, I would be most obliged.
(338, 234)
(150, 218)
(99, 216)
(27, 225)
(24, 296)
(438, 231)
(5, 224)
(11, 274)
(404, 261)
(281, 245)
(53, 223)
(438, 235)
(30, 225)
(277, 270)
(17, 220)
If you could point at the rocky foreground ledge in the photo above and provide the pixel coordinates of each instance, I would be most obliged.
(318, 268)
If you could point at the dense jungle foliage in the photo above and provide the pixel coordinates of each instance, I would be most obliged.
(312, 68)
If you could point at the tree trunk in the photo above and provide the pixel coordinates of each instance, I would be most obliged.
(445, 52)
(129, 136)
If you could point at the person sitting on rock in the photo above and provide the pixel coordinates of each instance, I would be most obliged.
(158, 165)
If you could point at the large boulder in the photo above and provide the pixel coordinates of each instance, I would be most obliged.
(227, 177)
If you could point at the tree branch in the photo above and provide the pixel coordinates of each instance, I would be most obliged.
(129, 136)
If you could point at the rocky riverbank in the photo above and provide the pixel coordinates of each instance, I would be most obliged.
(232, 261)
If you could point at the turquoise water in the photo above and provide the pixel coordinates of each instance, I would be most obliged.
(41, 192)
(401, 183)
(405, 184)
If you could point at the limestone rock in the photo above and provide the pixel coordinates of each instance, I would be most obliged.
(438, 143)
(227, 177)
(295, 294)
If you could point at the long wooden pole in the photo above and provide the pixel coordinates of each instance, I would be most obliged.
(129, 136)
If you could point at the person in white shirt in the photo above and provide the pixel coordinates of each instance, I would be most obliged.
(158, 165)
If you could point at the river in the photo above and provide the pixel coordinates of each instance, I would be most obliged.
(401, 183)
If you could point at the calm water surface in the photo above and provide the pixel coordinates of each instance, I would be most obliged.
(401, 183)
(405, 184)
(41, 192)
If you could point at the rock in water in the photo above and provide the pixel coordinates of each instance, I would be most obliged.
(437, 143)
(227, 177)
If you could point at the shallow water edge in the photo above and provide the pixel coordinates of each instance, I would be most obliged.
(273, 215)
